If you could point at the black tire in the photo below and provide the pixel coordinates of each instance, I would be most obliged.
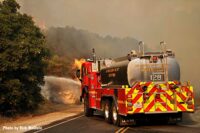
(108, 111)
(116, 118)
(87, 110)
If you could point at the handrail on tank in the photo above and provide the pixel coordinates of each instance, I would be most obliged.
(163, 47)
(94, 55)
(141, 46)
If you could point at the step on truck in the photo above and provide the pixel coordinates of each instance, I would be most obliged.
(137, 87)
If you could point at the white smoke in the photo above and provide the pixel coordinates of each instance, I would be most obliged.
(61, 90)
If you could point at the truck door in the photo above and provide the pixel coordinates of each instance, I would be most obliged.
(92, 88)
(89, 81)
(84, 76)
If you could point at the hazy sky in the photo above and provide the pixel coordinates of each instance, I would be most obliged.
(175, 21)
(148, 20)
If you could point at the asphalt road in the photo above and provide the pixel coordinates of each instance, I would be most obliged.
(96, 124)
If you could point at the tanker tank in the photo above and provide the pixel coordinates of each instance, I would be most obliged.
(127, 72)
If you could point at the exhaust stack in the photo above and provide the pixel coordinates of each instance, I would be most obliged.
(94, 55)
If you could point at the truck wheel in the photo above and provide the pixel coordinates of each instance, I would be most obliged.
(87, 110)
(116, 118)
(108, 111)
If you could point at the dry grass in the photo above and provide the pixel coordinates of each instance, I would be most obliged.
(49, 107)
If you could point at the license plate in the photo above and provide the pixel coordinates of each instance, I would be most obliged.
(157, 77)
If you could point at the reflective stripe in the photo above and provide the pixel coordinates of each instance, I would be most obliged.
(160, 98)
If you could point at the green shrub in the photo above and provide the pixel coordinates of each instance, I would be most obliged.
(22, 60)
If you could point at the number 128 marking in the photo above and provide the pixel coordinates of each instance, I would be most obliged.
(156, 77)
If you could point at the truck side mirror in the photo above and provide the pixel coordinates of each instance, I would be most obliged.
(78, 74)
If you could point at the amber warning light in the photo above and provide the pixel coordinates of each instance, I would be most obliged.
(155, 59)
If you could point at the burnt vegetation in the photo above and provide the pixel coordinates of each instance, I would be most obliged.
(68, 43)
(76, 43)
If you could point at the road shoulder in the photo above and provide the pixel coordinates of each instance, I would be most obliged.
(41, 121)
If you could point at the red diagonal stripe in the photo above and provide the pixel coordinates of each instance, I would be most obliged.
(167, 95)
(152, 91)
(149, 106)
(137, 110)
(148, 83)
(165, 105)
(152, 103)
(158, 109)
(136, 98)
(178, 104)
(181, 106)
(188, 90)
(136, 86)
(169, 98)
(181, 96)
(132, 89)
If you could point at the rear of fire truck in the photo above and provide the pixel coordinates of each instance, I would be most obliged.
(141, 86)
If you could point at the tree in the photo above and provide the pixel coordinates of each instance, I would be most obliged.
(22, 60)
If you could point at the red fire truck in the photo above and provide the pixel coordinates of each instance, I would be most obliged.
(137, 87)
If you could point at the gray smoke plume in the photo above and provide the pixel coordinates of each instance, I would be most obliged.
(63, 41)
(61, 90)
(175, 21)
